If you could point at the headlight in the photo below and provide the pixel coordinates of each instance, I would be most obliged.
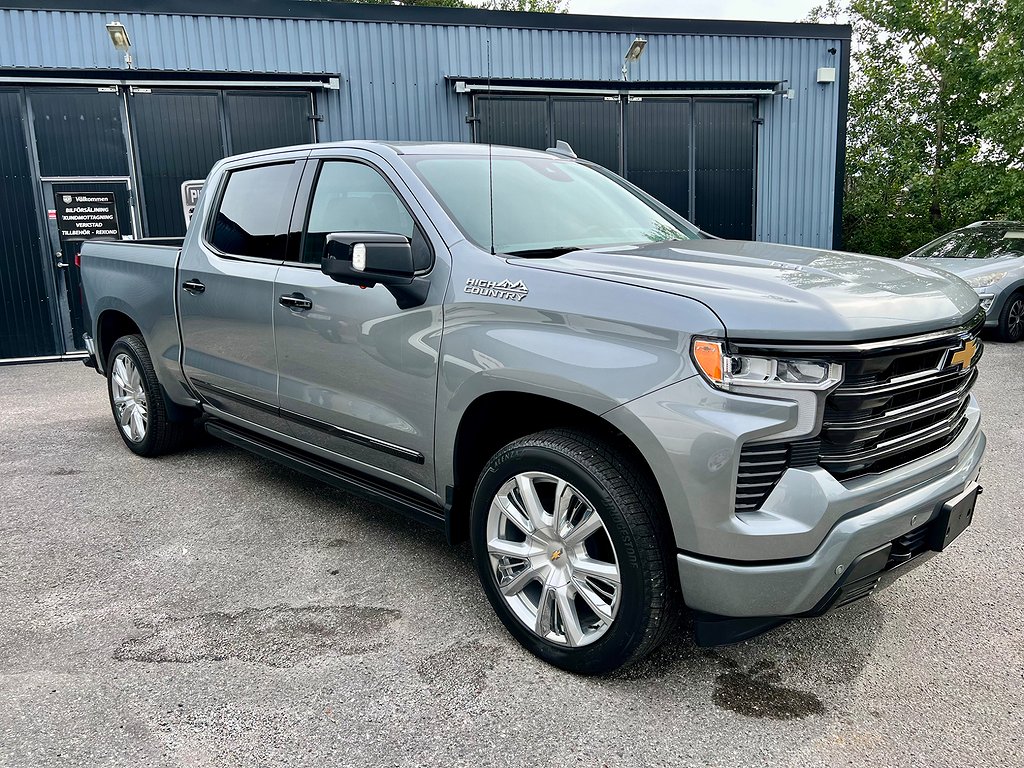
(982, 281)
(727, 371)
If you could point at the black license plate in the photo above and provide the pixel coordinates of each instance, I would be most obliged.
(954, 518)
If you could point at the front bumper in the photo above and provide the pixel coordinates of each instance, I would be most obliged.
(811, 585)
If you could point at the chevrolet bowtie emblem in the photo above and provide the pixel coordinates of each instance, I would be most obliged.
(556, 554)
(964, 357)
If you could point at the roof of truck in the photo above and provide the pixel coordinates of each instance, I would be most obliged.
(406, 148)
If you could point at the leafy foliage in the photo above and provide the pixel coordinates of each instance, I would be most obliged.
(936, 105)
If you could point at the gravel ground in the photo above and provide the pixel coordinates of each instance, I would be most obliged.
(213, 609)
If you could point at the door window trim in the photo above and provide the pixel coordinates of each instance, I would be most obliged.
(297, 164)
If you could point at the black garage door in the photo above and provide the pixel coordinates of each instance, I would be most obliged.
(694, 154)
(179, 135)
(57, 140)
(26, 287)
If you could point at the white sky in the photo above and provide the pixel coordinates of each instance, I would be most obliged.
(758, 10)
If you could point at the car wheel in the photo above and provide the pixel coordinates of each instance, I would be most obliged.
(1011, 319)
(574, 552)
(137, 401)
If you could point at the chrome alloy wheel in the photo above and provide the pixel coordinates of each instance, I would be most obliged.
(1015, 319)
(129, 398)
(552, 559)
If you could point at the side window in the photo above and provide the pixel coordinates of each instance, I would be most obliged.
(352, 197)
(252, 219)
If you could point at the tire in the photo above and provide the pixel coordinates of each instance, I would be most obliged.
(560, 605)
(1011, 319)
(135, 394)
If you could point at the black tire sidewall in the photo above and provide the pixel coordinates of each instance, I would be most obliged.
(146, 446)
(1004, 319)
(627, 631)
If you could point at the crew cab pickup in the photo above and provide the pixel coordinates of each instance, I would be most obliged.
(624, 415)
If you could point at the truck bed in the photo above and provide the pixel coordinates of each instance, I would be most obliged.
(134, 279)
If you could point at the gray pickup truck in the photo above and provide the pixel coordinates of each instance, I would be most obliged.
(622, 414)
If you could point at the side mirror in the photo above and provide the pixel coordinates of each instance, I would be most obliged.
(368, 258)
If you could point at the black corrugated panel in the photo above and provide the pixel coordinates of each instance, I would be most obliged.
(178, 137)
(513, 121)
(658, 149)
(78, 132)
(265, 119)
(26, 325)
(723, 167)
(590, 125)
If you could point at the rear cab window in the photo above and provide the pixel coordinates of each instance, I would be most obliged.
(253, 211)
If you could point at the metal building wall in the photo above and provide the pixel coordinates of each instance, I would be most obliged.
(393, 84)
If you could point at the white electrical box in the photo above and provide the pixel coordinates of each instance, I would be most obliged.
(826, 74)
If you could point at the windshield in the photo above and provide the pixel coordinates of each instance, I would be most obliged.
(987, 243)
(543, 205)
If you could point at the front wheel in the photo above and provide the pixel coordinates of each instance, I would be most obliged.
(573, 551)
(137, 401)
(1011, 319)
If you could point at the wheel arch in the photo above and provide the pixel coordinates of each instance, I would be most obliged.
(496, 418)
(111, 325)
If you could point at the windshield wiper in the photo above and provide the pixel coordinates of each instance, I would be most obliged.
(544, 253)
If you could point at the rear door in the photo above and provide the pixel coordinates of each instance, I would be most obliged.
(226, 288)
(358, 373)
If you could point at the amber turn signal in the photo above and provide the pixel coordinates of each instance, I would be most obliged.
(709, 356)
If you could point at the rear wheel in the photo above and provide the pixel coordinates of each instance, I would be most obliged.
(571, 549)
(137, 401)
(1011, 319)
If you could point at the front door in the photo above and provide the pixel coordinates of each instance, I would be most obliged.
(78, 211)
(357, 372)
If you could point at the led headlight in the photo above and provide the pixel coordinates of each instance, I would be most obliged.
(740, 372)
(983, 281)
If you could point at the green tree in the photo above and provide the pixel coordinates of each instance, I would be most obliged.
(930, 135)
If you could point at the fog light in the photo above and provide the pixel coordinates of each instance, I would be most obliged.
(986, 302)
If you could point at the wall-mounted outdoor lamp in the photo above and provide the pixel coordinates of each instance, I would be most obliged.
(119, 39)
(636, 50)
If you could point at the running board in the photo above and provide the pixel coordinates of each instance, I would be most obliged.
(367, 488)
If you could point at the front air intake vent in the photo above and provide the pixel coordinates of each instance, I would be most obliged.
(761, 467)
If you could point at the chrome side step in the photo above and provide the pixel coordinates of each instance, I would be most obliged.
(367, 488)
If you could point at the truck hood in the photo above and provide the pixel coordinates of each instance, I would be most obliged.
(781, 292)
(968, 268)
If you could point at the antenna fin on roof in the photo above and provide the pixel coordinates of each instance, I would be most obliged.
(562, 148)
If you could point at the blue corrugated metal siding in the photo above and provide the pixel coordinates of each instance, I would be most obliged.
(393, 84)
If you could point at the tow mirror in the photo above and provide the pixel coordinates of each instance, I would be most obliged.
(368, 258)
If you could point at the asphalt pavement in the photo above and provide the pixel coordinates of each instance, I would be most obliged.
(214, 609)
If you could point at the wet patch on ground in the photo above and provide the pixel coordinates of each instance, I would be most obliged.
(756, 692)
(281, 636)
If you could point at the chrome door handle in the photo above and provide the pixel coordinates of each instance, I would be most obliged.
(193, 286)
(295, 301)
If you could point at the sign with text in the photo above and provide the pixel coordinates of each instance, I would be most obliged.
(189, 195)
(86, 215)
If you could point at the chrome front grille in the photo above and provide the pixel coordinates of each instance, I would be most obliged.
(898, 402)
(896, 406)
